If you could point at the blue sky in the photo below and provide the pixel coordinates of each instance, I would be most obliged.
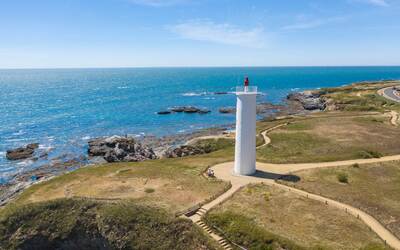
(143, 33)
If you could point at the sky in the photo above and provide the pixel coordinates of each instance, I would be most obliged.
(174, 33)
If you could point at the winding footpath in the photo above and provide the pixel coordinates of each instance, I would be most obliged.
(267, 174)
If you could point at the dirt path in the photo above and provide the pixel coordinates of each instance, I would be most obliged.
(267, 173)
(395, 118)
(267, 140)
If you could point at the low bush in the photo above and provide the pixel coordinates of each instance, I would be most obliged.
(368, 154)
(149, 190)
(343, 178)
(211, 145)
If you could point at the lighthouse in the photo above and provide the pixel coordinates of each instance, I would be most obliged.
(245, 147)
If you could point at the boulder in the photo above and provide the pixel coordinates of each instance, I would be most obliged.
(310, 100)
(164, 112)
(177, 109)
(185, 150)
(191, 109)
(22, 152)
(120, 149)
(228, 110)
(204, 111)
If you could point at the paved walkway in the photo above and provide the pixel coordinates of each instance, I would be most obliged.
(267, 173)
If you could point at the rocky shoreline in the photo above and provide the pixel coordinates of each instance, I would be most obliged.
(128, 149)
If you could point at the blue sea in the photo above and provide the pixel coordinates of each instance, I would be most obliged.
(63, 108)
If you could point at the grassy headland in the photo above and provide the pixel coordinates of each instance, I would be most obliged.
(263, 217)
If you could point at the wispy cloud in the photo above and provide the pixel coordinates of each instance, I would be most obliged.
(310, 24)
(158, 3)
(222, 33)
(381, 3)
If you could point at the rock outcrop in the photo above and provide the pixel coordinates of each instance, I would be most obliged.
(120, 149)
(310, 100)
(185, 150)
(22, 152)
(184, 109)
(228, 110)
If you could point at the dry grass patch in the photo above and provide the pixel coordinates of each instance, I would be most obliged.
(374, 188)
(173, 184)
(322, 139)
(260, 216)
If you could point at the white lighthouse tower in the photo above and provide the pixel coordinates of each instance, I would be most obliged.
(245, 148)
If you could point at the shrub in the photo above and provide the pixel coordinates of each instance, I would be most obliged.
(343, 178)
(149, 190)
(355, 165)
(366, 154)
(211, 145)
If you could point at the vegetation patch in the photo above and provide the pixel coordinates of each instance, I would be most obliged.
(212, 145)
(242, 231)
(359, 97)
(264, 217)
(84, 224)
(173, 184)
(343, 178)
(332, 138)
(374, 188)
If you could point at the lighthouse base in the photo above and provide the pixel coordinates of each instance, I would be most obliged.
(249, 171)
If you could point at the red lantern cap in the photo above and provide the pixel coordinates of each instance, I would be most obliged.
(246, 82)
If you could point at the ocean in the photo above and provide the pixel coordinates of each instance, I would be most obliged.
(63, 108)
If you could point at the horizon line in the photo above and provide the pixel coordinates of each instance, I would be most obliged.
(166, 67)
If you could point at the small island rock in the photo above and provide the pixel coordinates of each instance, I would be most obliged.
(22, 152)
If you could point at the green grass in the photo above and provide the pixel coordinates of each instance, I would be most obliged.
(84, 224)
(264, 217)
(212, 145)
(374, 188)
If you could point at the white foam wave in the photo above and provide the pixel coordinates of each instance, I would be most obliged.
(123, 87)
(46, 148)
(86, 138)
(20, 132)
(25, 163)
(15, 140)
(194, 94)
(4, 170)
